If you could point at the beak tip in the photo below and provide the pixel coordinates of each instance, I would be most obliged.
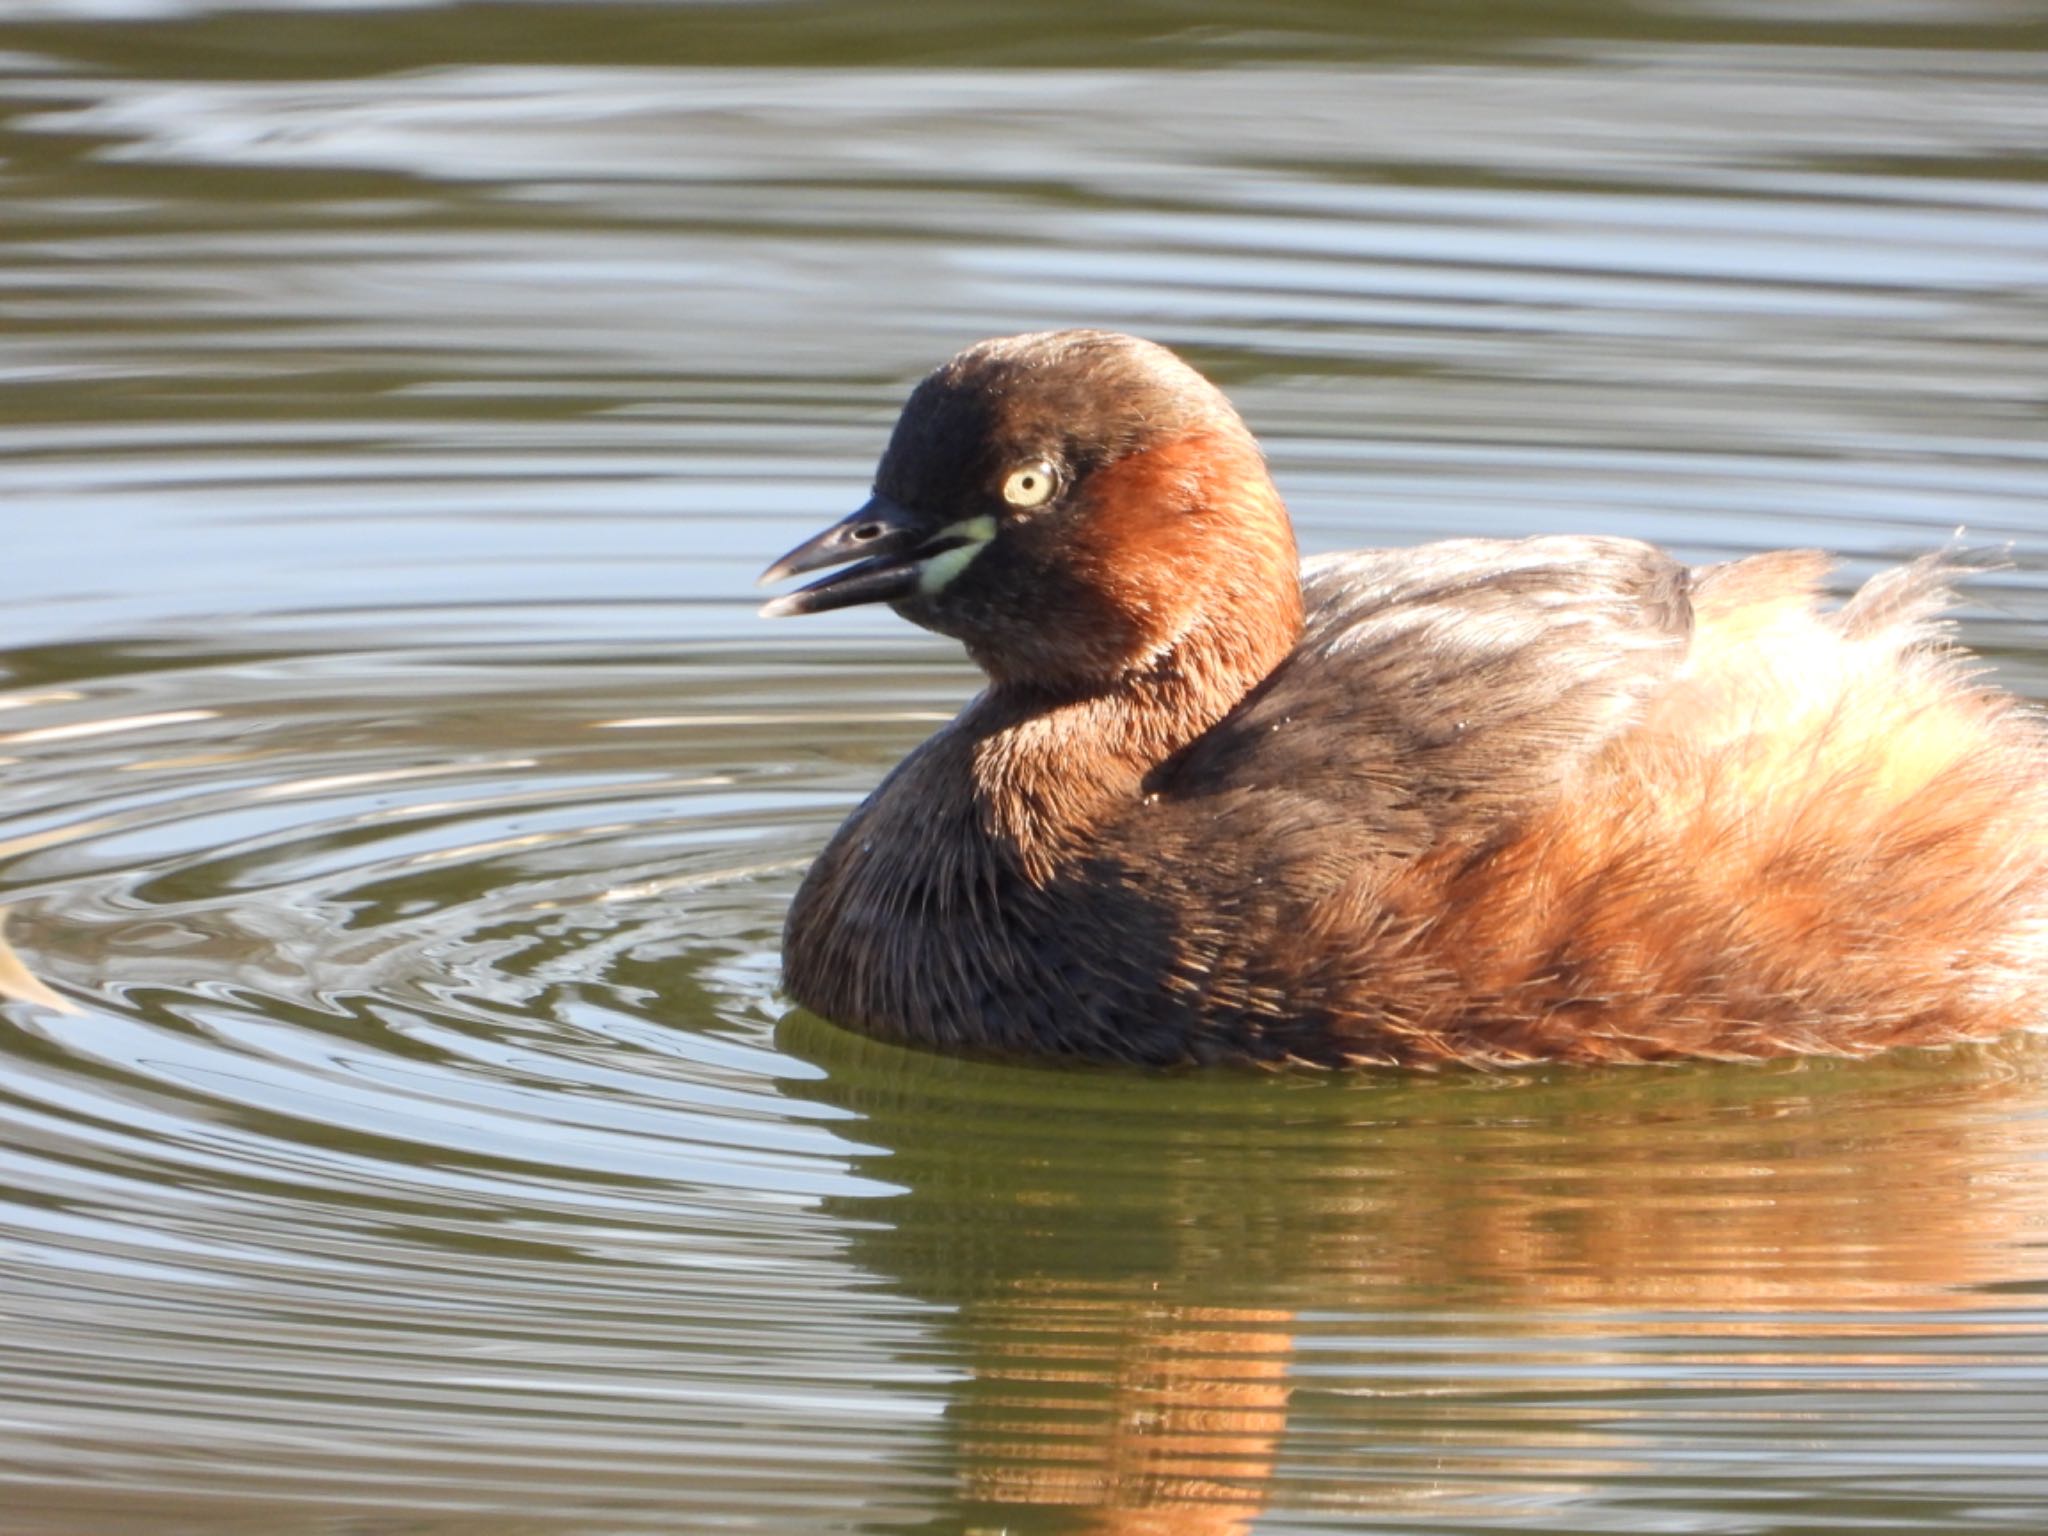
(875, 538)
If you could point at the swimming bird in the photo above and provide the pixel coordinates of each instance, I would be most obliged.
(1479, 802)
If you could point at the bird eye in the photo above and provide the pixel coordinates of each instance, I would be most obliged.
(1030, 485)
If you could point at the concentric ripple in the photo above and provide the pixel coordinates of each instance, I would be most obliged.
(427, 1004)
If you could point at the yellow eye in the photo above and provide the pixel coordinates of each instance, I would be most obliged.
(1030, 485)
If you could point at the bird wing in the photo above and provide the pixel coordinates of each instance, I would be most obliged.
(1444, 686)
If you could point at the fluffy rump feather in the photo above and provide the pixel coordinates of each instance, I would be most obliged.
(1822, 836)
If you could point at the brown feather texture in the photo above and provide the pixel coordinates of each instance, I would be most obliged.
(1478, 802)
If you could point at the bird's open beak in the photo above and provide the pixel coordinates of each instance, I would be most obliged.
(890, 542)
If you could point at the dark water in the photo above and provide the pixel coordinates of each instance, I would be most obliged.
(394, 408)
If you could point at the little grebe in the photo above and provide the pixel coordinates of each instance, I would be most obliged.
(1559, 799)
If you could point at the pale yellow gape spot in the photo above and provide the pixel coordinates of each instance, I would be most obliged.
(934, 572)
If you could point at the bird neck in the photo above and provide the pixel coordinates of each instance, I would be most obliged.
(1051, 769)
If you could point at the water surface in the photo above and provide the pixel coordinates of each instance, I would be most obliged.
(395, 406)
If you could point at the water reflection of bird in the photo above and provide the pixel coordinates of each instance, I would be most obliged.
(1478, 801)
(1427, 1286)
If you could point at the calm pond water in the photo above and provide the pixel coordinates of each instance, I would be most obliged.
(395, 406)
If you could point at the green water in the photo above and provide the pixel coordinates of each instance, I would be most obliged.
(395, 407)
